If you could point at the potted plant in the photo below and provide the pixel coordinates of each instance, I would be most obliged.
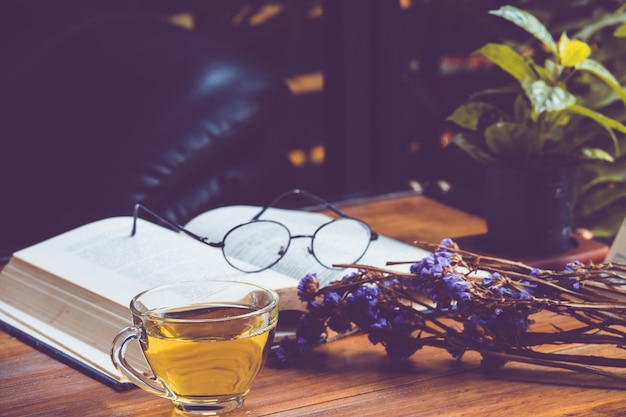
(601, 198)
(531, 134)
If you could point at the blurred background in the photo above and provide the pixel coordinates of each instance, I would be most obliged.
(373, 80)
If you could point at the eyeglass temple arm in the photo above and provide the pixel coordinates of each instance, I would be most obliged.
(313, 197)
(170, 223)
(307, 194)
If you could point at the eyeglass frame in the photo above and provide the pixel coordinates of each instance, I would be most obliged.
(256, 218)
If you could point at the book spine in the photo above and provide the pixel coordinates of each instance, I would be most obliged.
(66, 359)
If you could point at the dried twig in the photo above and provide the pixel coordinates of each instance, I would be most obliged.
(458, 300)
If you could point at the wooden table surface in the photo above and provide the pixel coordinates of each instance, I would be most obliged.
(348, 377)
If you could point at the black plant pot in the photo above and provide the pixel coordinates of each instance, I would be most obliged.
(529, 212)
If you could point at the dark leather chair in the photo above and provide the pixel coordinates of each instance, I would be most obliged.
(125, 109)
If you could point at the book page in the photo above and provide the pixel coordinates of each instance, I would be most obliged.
(56, 339)
(72, 292)
(105, 259)
(298, 261)
(80, 283)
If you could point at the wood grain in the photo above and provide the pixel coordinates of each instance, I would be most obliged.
(348, 377)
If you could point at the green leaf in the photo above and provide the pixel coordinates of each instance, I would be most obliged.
(595, 173)
(596, 94)
(602, 198)
(512, 143)
(550, 72)
(521, 109)
(606, 223)
(469, 115)
(572, 52)
(616, 145)
(529, 23)
(604, 121)
(620, 32)
(597, 154)
(510, 61)
(546, 98)
(604, 74)
(599, 118)
(512, 88)
(589, 27)
(604, 214)
(609, 224)
(474, 147)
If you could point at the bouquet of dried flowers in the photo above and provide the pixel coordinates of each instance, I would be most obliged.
(461, 301)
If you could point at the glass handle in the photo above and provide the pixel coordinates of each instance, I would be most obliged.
(118, 351)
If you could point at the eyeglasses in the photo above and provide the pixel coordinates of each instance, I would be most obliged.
(260, 244)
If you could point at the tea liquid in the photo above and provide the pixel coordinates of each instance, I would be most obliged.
(207, 359)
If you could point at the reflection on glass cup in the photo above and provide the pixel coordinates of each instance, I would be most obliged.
(205, 342)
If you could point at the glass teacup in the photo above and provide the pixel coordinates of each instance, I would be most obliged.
(205, 342)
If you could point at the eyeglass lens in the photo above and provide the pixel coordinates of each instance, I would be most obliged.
(343, 240)
(256, 245)
(260, 244)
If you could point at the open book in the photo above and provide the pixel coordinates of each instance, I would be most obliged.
(70, 294)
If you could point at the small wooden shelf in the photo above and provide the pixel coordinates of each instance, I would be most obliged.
(583, 250)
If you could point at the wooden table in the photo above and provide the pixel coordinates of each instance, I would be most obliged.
(348, 377)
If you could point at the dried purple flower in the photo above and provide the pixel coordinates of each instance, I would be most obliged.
(362, 305)
(504, 287)
(340, 324)
(290, 350)
(310, 328)
(457, 287)
(449, 243)
(308, 287)
(400, 348)
(492, 313)
(432, 265)
(379, 331)
(491, 278)
(331, 300)
(573, 266)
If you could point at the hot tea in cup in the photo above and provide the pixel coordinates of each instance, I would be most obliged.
(205, 342)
